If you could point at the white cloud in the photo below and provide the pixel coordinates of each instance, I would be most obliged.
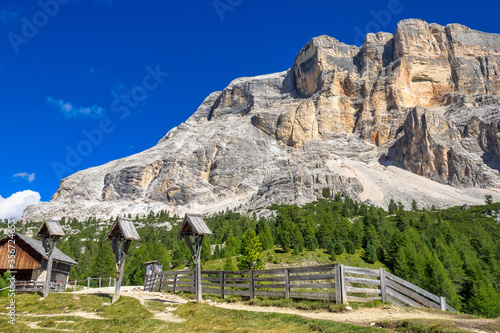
(69, 110)
(13, 206)
(29, 177)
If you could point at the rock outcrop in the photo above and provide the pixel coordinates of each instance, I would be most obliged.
(414, 115)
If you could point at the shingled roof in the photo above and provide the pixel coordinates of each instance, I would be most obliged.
(38, 247)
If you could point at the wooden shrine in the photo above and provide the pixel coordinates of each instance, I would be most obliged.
(121, 234)
(193, 230)
(49, 232)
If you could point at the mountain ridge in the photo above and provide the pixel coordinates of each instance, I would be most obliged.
(414, 115)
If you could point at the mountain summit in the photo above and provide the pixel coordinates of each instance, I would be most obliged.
(414, 115)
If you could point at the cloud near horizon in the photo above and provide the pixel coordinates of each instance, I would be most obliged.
(27, 176)
(69, 110)
(13, 206)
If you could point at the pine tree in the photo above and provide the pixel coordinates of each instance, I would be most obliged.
(370, 255)
(249, 257)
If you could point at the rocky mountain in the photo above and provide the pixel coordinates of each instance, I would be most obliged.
(414, 115)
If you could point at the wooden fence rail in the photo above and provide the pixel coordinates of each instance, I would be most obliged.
(103, 282)
(332, 282)
(33, 286)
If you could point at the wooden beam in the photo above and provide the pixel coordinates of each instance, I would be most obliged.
(50, 259)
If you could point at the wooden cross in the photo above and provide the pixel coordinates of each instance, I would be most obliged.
(193, 230)
(49, 232)
(121, 234)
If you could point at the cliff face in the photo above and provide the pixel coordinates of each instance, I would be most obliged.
(410, 115)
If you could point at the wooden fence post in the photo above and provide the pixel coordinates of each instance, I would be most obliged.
(175, 281)
(252, 284)
(442, 303)
(287, 284)
(75, 284)
(88, 282)
(383, 289)
(109, 285)
(222, 295)
(338, 284)
(193, 286)
(161, 281)
(100, 282)
(343, 284)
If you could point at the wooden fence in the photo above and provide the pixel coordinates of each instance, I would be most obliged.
(332, 282)
(33, 286)
(103, 282)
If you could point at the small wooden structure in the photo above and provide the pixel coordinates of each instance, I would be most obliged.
(122, 233)
(193, 230)
(30, 263)
(49, 232)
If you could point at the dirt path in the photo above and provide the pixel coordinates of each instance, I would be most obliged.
(361, 316)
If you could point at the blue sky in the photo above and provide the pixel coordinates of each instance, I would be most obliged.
(83, 82)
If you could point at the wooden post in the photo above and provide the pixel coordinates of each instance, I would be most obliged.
(198, 279)
(442, 301)
(338, 284)
(287, 284)
(100, 282)
(109, 285)
(222, 295)
(343, 285)
(252, 284)
(175, 281)
(160, 282)
(75, 284)
(383, 289)
(88, 282)
(50, 259)
(120, 265)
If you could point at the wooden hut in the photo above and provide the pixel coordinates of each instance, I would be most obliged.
(30, 263)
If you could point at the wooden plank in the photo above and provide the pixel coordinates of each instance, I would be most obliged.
(361, 271)
(278, 271)
(222, 285)
(190, 288)
(343, 284)
(234, 285)
(270, 278)
(210, 272)
(404, 291)
(208, 284)
(252, 286)
(245, 272)
(383, 289)
(402, 298)
(287, 284)
(413, 287)
(237, 279)
(362, 299)
(338, 290)
(317, 296)
(395, 301)
(237, 292)
(270, 293)
(350, 289)
(313, 269)
(362, 280)
(313, 285)
(210, 290)
(206, 278)
(312, 277)
(270, 285)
